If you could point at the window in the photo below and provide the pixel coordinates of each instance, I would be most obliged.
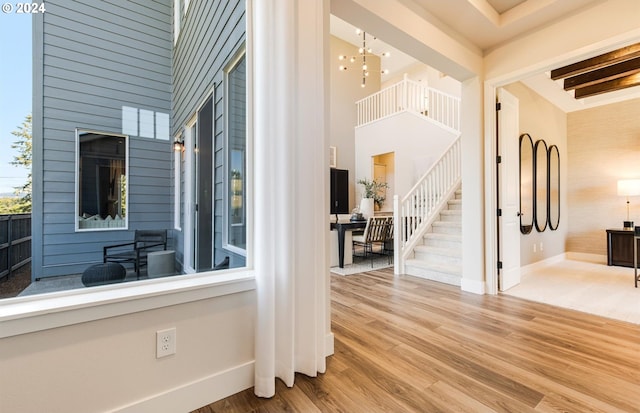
(235, 233)
(101, 181)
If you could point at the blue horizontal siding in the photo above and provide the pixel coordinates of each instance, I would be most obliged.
(100, 55)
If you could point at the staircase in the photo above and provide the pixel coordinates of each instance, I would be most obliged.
(439, 258)
(427, 220)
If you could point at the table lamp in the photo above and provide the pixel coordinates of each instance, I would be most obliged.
(628, 187)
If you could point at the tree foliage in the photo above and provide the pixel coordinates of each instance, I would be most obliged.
(23, 159)
(13, 206)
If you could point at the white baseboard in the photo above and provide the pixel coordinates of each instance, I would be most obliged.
(196, 394)
(473, 286)
(328, 344)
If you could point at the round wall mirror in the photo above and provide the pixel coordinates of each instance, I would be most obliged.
(526, 183)
(553, 184)
(541, 190)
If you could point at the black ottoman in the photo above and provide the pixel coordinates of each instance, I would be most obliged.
(100, 274)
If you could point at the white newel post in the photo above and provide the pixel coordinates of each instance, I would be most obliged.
(287, 43)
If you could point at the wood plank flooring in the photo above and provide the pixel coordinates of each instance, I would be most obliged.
(411, 345)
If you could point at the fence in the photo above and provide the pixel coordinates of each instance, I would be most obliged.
(15, 242)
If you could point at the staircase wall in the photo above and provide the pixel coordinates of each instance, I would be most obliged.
(416, 141)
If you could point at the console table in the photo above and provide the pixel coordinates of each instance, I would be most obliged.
(620, 247)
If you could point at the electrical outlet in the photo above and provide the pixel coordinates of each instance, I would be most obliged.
(165, 342)
(541, 247)
(534, 247)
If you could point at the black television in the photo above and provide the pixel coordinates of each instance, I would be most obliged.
(339, 191)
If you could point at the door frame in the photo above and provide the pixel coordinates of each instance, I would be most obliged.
(508, 184)
(189, 211)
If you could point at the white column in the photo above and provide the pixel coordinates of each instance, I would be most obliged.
(473, 263)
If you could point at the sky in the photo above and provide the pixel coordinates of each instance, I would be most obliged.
(15, 92)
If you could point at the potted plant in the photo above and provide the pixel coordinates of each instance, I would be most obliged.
(373, 190)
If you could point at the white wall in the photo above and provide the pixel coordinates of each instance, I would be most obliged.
(415, 141)
(345, 91)
(107, 364)
(542, 120)
(603, 146)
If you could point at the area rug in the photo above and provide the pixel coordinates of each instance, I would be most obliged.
(362, 265)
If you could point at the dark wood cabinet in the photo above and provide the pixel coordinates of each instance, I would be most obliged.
(620, 247)
(339, 191)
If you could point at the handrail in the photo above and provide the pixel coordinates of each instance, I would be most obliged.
(415, 213)
(411, 96)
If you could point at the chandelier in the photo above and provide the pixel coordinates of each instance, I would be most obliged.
(363, 52)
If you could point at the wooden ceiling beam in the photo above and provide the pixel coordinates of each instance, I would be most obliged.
(616, 56)
(609, 86)
(622, 69)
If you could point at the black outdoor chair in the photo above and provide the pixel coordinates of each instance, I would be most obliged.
(144, 242)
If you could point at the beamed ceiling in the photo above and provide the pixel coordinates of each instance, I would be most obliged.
(608, 72)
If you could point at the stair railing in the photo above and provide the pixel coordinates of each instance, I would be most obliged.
(411, 96)
(415, 213)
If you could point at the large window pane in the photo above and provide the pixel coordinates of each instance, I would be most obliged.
(102, 181)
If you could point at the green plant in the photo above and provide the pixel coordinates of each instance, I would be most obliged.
(373, 189)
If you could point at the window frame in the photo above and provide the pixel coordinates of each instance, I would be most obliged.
(23, 315)
(237, 57)
(125, 227)
(177, 182)
(177, 20)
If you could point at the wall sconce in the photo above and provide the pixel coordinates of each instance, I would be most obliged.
(628, 187)
(178, 145)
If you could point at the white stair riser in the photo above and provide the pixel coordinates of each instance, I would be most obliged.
(455, 205)
(433, 275)
(450, 217)
(439, 228)
(442, 243)
(429, 257)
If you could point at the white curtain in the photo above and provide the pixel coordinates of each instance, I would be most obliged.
(286, 61)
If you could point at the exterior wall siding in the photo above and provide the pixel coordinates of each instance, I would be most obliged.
(98, 56)
(211, 33)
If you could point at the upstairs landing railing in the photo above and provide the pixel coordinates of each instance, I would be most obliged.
(408, 95)
(415, 213)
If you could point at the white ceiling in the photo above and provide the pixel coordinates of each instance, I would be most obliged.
(487, 24)
(490, 23)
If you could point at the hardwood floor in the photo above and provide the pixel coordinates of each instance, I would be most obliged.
(411, 345)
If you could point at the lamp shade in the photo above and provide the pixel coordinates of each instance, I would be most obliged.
(629, 187)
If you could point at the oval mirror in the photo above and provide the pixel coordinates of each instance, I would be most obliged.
(540, 189)
(553, 183)
(526, 183)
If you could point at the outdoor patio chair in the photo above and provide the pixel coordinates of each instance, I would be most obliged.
(135, 252)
